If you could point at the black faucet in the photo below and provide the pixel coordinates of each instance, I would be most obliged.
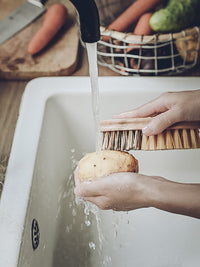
(89, 20)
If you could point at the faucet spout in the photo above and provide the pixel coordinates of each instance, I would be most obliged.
(89, 20)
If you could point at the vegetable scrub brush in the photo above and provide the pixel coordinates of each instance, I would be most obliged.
(126, 134)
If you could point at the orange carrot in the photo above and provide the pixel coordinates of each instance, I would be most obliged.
(132, 14)
(142, 27)
(54, 19)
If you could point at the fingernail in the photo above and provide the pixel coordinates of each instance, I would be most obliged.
(147, 130)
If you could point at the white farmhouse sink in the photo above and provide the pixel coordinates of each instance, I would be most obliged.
(41, 223)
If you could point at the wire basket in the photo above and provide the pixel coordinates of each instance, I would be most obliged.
(158, 54)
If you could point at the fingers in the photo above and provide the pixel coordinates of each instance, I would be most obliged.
(161, 122)
(86, 189)
(100, 201)
(89, 192)
(153, 107)
(163, 109)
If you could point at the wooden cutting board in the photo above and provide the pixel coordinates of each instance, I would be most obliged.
(59, 58)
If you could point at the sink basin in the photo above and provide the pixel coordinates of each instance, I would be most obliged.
(42, 223)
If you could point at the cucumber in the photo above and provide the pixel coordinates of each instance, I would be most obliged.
(176, 16)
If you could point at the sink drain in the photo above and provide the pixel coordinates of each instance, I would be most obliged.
(35, 234)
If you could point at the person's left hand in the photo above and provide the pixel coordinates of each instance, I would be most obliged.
(119, 191)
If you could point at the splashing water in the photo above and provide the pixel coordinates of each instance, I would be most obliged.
(96, 236)
(91, 209)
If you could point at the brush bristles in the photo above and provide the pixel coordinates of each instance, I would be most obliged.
(122, 140)
(134, 140)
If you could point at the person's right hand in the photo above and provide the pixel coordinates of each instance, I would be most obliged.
(167, 109)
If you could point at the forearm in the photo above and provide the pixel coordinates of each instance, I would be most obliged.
(175, 197)
(130, 191)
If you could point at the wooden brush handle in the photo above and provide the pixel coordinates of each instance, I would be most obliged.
(123, 124)
(140, 123)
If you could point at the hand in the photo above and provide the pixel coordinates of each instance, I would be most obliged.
(119, 191)
(167, 109)
(129, 191)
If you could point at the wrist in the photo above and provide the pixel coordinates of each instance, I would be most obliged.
(155, 191)
(150, 190)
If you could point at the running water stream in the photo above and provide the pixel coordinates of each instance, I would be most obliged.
(93, 71)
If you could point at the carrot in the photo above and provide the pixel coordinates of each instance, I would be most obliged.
(54, 19)
(132, 14)
(142, 27)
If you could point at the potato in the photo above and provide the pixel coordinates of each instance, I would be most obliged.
(98, 164)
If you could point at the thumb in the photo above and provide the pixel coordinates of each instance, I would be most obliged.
(160, 123)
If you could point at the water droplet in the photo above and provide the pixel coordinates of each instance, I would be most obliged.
(86, 210)
(68, 228)
(74, 212)
(87, 222)
(92, 245)
(64, 195)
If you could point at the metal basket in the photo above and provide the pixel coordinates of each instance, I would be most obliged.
(158, 54)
